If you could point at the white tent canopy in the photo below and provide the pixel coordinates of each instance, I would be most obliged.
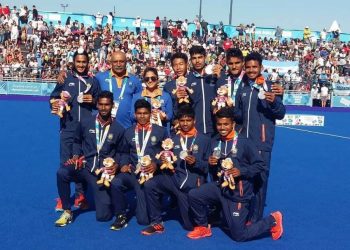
(334, 27)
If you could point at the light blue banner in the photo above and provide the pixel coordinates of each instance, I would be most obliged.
(282, 67)
(26, 88)
(120, 23)
(340, 101)
(297, 98)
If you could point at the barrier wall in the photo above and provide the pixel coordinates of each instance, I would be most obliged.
(26, 88)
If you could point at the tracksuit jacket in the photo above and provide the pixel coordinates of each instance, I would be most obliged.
(247, 160)
(187, 177)
(257, 116)
(85, 143)
(79, 111)
(133, 86)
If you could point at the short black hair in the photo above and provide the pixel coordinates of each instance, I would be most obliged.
(150, 69)
(197, 50)
(254, 56)
(233, 52)
(179, 55)
(185, 110)
(106, 94)
(225, 112)
(79, 52)
(142, 103)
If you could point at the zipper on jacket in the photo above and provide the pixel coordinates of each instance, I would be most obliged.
(79, 103)
(250, 99)
(205, 127)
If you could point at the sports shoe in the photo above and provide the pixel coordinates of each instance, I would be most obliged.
(119, 223)
(81, 202)
(65, 218)
(199, 232)
(152, 229)
(277, 229)
(58, 207)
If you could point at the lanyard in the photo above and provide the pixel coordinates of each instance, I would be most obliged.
(125, 80)
(80, 78)
(184, 143)
(141, 151)
(235, 85)
(100, 137)
(234, 143)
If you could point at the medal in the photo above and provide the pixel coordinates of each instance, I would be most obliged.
(183, 154)
(115, 109)
(80, 97)
(261, 94)
(234, 151)
(217, 153)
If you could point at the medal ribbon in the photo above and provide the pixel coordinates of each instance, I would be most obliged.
(234, 143)
(140, 151)
(100, 139)
(184, 143)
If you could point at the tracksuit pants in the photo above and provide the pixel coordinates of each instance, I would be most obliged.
(67, 174)
(120, 184)
(155, 188)
(260, 189)
(66, 152)
(235, 213)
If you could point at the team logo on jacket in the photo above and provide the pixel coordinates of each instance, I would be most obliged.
(71, 84)
(110, 137)
(244, 94)
(193, 84)
(154, 140)
(235, 214)
(195, 148)
(92, 131)
(177, 147)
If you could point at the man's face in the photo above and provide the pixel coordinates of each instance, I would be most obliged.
(224, 126)
(186, 123)
(235, 65)
(142, 116)
(81, 63)
(253, 69)
(198, 61)
(118, 61)
(179, 66)
(104, 106)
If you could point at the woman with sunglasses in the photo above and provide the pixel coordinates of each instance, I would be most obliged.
(153, 94)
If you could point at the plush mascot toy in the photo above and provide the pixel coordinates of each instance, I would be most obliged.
(144, 162)
(62, 103)
(181, 85)
(170, 158)
(227, 180)
(221, 100)
(106, 176)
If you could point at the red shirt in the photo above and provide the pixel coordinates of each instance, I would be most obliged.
(227, 44)
(157, 23)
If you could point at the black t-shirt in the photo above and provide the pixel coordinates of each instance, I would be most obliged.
(97, 43)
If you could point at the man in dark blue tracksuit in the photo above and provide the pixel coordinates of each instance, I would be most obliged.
(190, 172)
(84, 89)
(96, 138)
(257, 109)
(141, 139)
(234, 203)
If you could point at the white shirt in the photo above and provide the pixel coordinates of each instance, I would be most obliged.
(324, 91)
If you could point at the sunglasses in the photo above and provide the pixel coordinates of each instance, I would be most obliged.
(152, 78)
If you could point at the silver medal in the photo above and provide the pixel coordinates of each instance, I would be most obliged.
(183, 154)
(115, 109)
(80, 97)
(217, 153)
(234, 151)
(261, 94)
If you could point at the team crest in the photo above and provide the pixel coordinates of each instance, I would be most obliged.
(71, 84)
(193, 84)
(110, 137)
(153, 140)
(195, 148)
(92, 131)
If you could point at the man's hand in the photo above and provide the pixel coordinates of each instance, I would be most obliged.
(234, 172)
(61, 77)
(55, 106)
(270, 97)
(150, 169)
(87, 98)
(77, 161)
(213, 161)
(277, 89)
(126, 169)
(190, 159)
(181, 93)
(217, 70)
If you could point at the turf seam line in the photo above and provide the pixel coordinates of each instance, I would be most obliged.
(314, 132)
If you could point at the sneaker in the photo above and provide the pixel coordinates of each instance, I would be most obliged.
(152, 229)
(58, 207)
(119, 223)
(199, 232)
(81, 202)
(277, 229)
(65, 218)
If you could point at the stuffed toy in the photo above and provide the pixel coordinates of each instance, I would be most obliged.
(144, 162)
(222, 99)
(181, 85)
(167, 145)
(228, 180)
(106, 176)
(62, 103)
(156, 106)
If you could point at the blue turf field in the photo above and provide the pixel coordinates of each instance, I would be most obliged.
(309, 183)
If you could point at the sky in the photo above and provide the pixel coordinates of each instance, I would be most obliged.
(317, 14)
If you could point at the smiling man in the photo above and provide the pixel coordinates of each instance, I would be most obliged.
(257, 108)
(96, 138)
(83, 90)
